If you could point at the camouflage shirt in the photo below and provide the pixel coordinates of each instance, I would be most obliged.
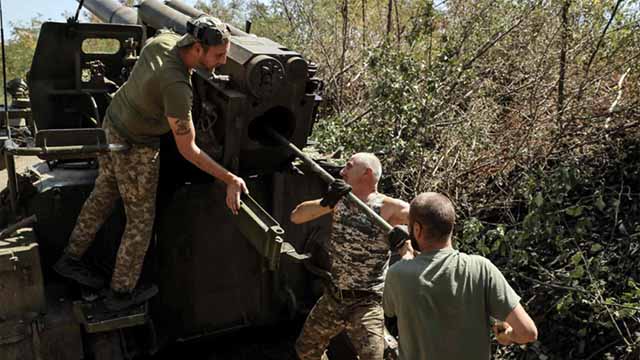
(358, 247)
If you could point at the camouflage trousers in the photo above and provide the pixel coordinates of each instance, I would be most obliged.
(133, 176)
(363, 320)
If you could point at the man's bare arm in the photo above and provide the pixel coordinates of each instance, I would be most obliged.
(395, 211)
(518, 328)
(185, 136)
(309, 210)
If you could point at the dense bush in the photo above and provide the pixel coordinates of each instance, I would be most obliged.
(571, 246)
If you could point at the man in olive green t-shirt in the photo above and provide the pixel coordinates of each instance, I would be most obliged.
(155, 99)
(444, 299)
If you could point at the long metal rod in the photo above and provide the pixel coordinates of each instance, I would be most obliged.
(4, 74)
(324, 175)
(63, 150)
(75, 18)
(11, 182)
(8, 158)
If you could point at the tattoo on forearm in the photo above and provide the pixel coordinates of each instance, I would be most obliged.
(183, 127)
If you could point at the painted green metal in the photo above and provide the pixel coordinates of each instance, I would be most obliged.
(264, 233)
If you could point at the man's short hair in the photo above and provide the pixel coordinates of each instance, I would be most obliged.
(435, 213)
(372, 162)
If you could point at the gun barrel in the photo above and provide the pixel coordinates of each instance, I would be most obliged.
(186, 9)
(192, 12)
(158, 15)
(110, 11)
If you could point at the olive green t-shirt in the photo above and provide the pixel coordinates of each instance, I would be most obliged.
(443, 300)
(159, 86)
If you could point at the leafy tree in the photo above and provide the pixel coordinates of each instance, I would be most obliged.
(19, 49)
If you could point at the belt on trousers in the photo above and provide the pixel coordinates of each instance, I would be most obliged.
(341, 294)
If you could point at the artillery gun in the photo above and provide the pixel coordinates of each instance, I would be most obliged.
(217, 273)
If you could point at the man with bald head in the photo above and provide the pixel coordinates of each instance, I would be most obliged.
(359, 252)
(444, 299)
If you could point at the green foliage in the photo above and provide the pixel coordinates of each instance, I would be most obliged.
(573, 251)
(19, 49)
(232, 11)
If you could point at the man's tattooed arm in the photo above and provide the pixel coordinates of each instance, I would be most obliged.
(185, 138)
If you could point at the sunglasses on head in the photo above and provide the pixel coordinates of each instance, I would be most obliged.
(206, 35)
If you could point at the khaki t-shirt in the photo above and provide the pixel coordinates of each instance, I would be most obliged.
(159, 86)
(443, 300)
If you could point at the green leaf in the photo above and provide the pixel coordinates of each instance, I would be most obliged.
(578, 272)
(616, 203)
(496, 245)
(596, 247)
(576, 258)
(574, 211)
(600, 204)
(538, 200)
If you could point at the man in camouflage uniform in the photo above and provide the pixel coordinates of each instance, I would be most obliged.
(359, 252)
(156, 99)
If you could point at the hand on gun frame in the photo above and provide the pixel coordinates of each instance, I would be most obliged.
(503, 332)
(235, 187)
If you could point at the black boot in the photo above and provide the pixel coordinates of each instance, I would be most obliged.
(116, 301)
(76, 270)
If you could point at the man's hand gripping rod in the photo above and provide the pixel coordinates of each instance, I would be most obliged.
(324, 175)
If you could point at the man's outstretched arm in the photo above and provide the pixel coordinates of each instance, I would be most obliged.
(517, 328)
(395, 211)
(313, 209)
(185, 136)
(309, 210)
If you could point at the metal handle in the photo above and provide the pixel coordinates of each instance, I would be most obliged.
(325, 176)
